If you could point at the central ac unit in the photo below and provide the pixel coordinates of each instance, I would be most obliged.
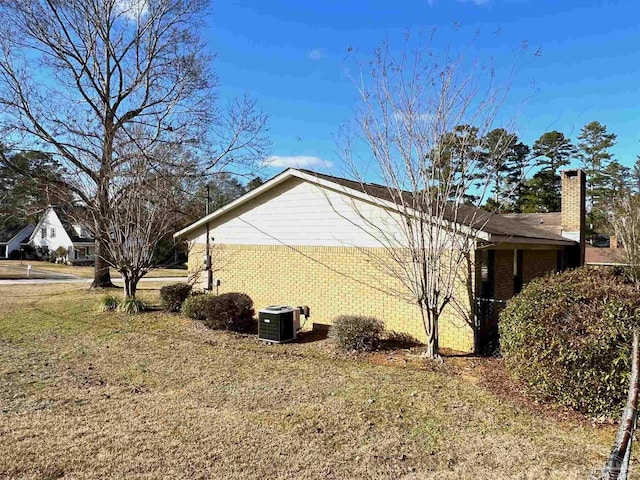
(278, 323)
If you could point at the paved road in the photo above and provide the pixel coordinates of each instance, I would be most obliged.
(48, 276)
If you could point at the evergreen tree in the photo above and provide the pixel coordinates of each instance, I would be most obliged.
(604, 175)
(635, 176)
(29, 182)
(542, 193)
(254, 183)
(506, 158)
(455, 152)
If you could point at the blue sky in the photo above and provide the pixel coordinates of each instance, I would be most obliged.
(292, 56)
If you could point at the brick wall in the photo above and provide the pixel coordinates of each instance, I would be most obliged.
(504, 274)
(332, 281)
(537, 263)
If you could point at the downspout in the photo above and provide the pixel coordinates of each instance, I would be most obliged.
(207, 253)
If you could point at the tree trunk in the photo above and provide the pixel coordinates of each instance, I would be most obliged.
(101, 273)
(130, 286)
(430, 322)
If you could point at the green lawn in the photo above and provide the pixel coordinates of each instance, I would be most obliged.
(102, 395)
(11, 269)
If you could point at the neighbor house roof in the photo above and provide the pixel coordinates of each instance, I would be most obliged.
(487, 222)
(73, 235)
(604, 256)
(66, 224)
(8, 233)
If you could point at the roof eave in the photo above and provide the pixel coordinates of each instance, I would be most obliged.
(536, 240)
(281, 177)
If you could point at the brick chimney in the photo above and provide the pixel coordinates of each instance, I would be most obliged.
(574, 211)
(613, 242)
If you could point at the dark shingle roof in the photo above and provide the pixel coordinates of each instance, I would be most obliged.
(492, 223)
(10, 231)
(68, 227)
(551, 222)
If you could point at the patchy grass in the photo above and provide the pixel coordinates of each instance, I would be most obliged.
(85, 394)
(12, 269)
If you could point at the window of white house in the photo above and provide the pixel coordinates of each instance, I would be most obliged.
(44, 233)
(53, 233)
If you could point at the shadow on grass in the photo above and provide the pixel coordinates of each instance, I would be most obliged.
(398, 341)
(315, 335)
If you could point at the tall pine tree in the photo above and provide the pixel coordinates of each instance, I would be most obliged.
(542, 193)
(604, 174)
(506, 158)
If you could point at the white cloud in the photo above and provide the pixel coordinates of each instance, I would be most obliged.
(404, 117)
(133, 9)
(296, 161)
(318, 53)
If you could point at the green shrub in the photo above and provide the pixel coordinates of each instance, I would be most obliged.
(356, 332)
(233, 311)
(109, 303)
(173, 296)
(132, 306)
(196, 306)
(567, 337)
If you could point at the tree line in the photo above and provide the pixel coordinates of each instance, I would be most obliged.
(525, 179)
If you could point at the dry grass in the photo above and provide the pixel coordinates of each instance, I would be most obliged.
(11, 269)
(102, 395)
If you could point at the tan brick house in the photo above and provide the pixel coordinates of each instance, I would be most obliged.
(300, 239)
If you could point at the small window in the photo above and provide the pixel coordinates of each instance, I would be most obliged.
(53, 233)
(44, 233)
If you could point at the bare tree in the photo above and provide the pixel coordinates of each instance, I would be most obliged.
(91, 79)
(418, 134)
(624, 218)
(146, 194)
(618, 463)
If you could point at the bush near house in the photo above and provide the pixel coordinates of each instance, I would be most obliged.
(61, 253)
(173, 296)
(567, 337)
(197, 306)
(231, 311)
(356, 332)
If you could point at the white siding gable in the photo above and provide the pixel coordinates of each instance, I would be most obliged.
(50, 222)
(300, 213)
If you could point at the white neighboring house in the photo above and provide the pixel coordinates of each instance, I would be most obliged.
(12, 238)
(54, 230)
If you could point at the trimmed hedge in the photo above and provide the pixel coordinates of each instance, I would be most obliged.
(173, 296)
(567, 337)
(231, 311)
(356, 332)
(196, 306)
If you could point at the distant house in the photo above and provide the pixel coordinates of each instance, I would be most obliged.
(606, 253)
(300, 239)
(55, 230)
(12, 238)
